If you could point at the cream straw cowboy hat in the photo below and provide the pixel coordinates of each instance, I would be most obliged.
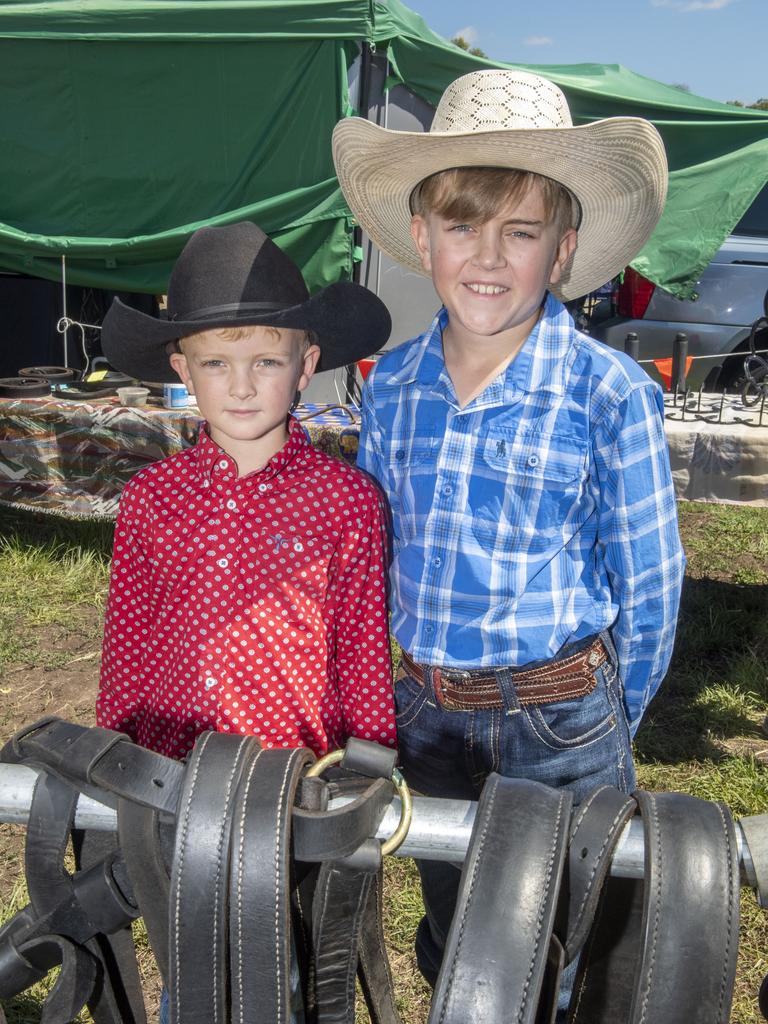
(615, 168)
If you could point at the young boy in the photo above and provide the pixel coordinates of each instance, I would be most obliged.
(537, 565)
(248, 579)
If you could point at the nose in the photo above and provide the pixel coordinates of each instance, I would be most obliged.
(489, 252)
(242, 383)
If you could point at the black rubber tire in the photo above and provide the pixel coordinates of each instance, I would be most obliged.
(24, 387)
(55, 374)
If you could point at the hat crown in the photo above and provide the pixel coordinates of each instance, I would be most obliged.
(490, 100)
(233, 264)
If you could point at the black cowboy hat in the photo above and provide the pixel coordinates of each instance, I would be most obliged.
(235, 276)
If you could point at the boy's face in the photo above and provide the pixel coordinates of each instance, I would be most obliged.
(245, 386)
(492, 277)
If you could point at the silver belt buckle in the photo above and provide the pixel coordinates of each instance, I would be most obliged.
(457, 675)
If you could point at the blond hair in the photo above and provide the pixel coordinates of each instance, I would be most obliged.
(238, 333)
(476, 194)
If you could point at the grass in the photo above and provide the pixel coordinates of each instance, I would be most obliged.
(702, 734)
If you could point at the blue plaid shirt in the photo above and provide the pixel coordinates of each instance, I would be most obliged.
(541, 513)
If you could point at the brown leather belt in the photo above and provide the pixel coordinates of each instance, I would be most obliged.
(560, 679)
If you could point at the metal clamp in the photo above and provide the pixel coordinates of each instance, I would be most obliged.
(406, 803)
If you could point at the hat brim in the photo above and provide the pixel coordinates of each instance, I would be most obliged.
(349, 322)
(616, 168)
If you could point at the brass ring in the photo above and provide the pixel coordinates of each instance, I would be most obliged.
(406, 803)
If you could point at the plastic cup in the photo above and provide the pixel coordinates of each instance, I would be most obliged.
(132, 396)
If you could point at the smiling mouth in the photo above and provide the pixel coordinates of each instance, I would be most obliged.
(486, 289)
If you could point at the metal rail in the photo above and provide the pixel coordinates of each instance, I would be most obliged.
(440, 829)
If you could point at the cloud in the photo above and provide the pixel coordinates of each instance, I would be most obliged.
(468, 34)
(684, 6)
(538, 41)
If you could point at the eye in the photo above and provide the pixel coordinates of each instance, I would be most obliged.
(212, 363)
(269, 364)
(461, 229)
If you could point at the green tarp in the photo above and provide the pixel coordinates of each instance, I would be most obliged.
(126, 124)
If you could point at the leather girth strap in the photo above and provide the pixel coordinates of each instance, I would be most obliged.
(207, 855)
(498, 945)
(662, 949)
(80, 921)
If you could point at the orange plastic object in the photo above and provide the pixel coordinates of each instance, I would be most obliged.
(664, 366)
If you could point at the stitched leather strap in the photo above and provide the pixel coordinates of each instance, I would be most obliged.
(595, 831)
(259, 890)
(66, 918)
(198, 969)
(148, 855)
(496, 953)
(663, 951)
(374, 971)
(102, 763)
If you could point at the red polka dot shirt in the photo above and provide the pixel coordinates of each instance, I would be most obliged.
(248, 605)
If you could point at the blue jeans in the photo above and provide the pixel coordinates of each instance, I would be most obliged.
(575, 744)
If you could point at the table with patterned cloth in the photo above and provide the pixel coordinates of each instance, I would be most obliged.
(73, 458)
(718, 449)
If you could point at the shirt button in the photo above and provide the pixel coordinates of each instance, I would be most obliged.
(210, 682)
(437, 561)
(231, 504)
(400, 455)
(222, 563)
(533, 460)
(223, 464)
(447, 490)
(263, 487)
(429, 629)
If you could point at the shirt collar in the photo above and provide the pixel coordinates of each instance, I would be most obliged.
(210, 455)
(540, 363)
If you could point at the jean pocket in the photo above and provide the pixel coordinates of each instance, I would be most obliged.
(409, 698)
(563, 725)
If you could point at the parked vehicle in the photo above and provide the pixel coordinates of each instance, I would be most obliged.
(717, 322)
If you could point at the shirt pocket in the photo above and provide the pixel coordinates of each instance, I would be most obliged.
(530, 489)
(412, 464)
(288, 567)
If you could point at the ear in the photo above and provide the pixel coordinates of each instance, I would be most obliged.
(179, 363)
(565, 250)
(420, 236)
(309, 363)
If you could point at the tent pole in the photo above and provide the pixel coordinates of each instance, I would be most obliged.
(363, 104)
(64, 305)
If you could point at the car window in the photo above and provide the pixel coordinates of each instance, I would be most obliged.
(755, 220)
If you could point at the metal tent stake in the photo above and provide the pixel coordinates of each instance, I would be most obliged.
(440, 829)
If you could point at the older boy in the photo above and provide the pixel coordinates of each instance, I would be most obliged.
(248, 579)
(537, 565)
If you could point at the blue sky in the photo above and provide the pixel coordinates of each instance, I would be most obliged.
(719, 48)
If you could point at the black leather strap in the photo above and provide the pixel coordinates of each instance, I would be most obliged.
(259, 889)
(497, 948)
(66, 915)
(320, 835)
(148, 854)
(198, 968)
(374, 969)
(595, 830)
(102, 763)
(663, 950)
(101, 885)
(340, 900)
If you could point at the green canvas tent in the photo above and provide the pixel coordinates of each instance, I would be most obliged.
(126, 124)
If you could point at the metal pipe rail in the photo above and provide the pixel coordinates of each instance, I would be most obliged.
(440, 829)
